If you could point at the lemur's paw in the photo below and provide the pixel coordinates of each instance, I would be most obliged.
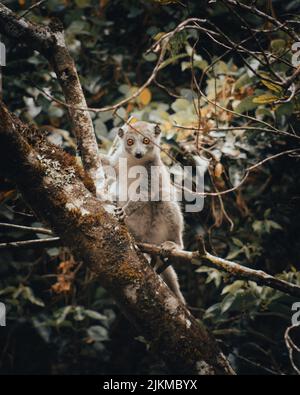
(166, 248)
(120, 214)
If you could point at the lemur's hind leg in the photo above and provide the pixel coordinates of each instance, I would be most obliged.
(170, 278)
(168, 275)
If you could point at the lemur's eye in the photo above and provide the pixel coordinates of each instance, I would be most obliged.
(146, 140)
(130, 142)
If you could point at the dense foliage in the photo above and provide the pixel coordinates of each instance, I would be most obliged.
(59, 319)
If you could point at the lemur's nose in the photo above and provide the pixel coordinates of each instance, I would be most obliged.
(138, 155)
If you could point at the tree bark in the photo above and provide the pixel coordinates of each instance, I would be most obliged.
(56, 189)
(50, 42)
(62, 195)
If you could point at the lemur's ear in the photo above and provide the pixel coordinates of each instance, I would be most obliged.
(157, 130)
(120, 132)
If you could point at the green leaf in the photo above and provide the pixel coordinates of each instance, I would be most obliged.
(180, 104)
(286, 109)
(95, 315)
(83, 3)
(171, 60)
(270, 85)
(98, 333)
(242, 81)
(245, 105)
(278, 45)
(213, 311)
(213, 275)
(234, 253)
(258, 226)
(265, 99)
(232, 288)
(62, 314)
(42, 328)
(28, 294)
(273, 225)
(200, 64)
(237, 242)
(227, 303)
(79, 313)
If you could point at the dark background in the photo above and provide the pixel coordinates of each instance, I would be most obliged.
(62, 322)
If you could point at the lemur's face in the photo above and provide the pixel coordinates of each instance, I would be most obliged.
(143, 145)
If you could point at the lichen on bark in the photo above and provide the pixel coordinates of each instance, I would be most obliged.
(96, 238)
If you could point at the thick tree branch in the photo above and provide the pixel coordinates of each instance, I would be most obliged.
(53, 185)
(259, 276)
(50, 42)
(194, 257)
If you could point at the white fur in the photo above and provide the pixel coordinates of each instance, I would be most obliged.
(149, 221)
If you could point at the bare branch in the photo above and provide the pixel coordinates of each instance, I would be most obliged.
(27, 228)
(32, 7)
(40, 243)
(241, 127)
(291, 346)
(254, 10)
(292, 78)
(194, 257)
(288, 152)
(258, 276)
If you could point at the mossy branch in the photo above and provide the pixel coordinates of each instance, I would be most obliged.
(182, 256)
(53, 186)
(50, 42)
(194, 257)
(258, 276)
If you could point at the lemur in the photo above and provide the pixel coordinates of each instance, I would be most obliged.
(150, 219)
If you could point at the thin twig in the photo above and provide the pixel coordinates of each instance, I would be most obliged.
(247, 128)
(290, 151)
(291, 346)
(27, 228)
(254, 10)
(49, 242)
(31, 8)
